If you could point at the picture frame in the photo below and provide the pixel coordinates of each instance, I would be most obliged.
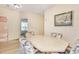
(63, 19)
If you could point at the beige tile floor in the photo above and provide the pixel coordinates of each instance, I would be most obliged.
(11, 47)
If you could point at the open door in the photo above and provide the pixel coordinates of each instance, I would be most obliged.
(3, 29)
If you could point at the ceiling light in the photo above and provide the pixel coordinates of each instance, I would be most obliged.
(15, 6)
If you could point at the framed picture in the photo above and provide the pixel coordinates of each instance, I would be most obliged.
(63, 19)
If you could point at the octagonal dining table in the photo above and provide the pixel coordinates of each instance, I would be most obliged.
(48, 43)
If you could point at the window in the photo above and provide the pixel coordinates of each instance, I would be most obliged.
(24, 25)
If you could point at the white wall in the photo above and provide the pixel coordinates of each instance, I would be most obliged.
(36, 21)
(69, 32)
(13, 22)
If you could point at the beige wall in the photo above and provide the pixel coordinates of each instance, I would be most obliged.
(69, 32)
(13, 22)
(36, 21)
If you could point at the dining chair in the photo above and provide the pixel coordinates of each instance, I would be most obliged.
(75, 49)
(33, 33)
(29, 34)
(59, 35)
(22, 42)
(73, 42)
(29, 49)
(53, 34)
(73, 45)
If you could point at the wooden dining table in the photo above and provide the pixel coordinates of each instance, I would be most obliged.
(48, 44)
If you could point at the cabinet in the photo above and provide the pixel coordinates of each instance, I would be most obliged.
(3, 29)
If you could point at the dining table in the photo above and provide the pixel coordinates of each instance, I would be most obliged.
(48, 43)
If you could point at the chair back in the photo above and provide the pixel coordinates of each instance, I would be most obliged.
(53, 34)
(29, 48)
(59, 35)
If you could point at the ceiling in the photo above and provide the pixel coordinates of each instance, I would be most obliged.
(36, 8)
